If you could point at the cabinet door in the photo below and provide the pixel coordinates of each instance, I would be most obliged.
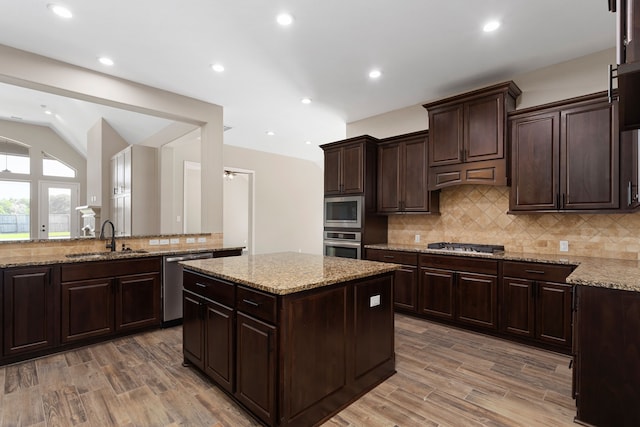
(405, 288)
(137, 301)
(87, 309)
(29, 308)
(589, 157)
(446, 135)
(256, 367)
(437, 292)
(389, 167)
(553, 312)
(477, 297)
(193, 329)
(353, 169)
(484, 128)
(535, 150)
(415, 196)
(518, 307)
(220, 351)
(332, 174)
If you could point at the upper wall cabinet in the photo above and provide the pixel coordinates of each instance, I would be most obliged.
(628, 58)
(350, 168)
(402, 175)
(565, 156)
(467, 137)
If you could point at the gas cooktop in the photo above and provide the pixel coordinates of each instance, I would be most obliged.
(467, 247)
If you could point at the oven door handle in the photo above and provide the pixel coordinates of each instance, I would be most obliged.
(349, 244)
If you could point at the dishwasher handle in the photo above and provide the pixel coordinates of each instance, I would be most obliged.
(188, 257)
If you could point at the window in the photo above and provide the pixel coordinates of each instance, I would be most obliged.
(54, 167)
(14, 157)
(15, 198)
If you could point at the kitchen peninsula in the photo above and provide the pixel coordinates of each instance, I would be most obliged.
(293, 337)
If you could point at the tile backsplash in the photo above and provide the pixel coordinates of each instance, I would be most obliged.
(478, 214)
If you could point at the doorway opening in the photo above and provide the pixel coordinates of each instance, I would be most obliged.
(238, 216)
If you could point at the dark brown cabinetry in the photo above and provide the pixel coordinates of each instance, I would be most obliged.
(291, 360)
(463, 290)
(403, 173)
(607, 349)
(628, 59)
(349, 167)
(467, 137)
(96, 302)
(565, 156)
(536, 303)
(29, 308)
(405, 285)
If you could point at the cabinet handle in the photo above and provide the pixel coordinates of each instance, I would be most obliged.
(253, 303)
(389, 256)
(535, 271)
(611, 77)
(201, 285)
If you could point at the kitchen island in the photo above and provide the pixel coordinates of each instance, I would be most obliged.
(292, 337)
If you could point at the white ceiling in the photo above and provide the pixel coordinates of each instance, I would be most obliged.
(426, 49)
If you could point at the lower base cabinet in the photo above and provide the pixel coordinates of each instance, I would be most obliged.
(29, 310)
(607, 353)
(97, 303)
(405, 285)
(290, 360)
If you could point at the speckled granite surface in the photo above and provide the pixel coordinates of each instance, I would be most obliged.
(288, 272)
(600, 272)
(9, 260)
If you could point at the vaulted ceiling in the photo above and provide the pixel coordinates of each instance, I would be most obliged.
(425, 49)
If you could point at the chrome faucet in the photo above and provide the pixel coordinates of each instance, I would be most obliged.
(112, 245)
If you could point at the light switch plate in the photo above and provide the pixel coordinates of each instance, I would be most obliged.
(374, 300)
(154, 242)
(202, 240)
(564, 246)
(175, 241)
(191, 239)
(417, 238)
(164, 241)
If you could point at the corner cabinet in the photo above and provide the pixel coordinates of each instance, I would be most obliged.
(565, 156)
(467, 137)
(134, 193)
(403, 175)
(30, 308)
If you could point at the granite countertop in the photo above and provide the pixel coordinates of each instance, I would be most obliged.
(61, 258)
(288, 272)
(590, 271)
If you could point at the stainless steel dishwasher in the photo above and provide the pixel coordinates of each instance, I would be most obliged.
(172, 286)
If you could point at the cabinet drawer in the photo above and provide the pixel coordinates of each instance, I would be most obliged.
(100, 269)
(460, 263)
(397, 257)
(256, 303)
(209, 287)
(535, 271)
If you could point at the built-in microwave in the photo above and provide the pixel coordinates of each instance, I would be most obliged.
(344, 244)
(343, 212)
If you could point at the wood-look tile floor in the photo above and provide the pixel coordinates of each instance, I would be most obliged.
(446, 377)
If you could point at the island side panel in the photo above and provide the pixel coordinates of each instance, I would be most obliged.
(323, 364)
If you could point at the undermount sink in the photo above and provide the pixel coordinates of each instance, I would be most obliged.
(105, 254)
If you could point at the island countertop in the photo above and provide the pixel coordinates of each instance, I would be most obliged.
(288, 272)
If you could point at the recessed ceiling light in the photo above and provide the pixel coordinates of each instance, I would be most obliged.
(105, 61)
(270, 133)
(491, 26)
(61, 11)
(218, 68)
(308, 142)
(375, 74)
(47, 112)
(306, 100)
(284, 19)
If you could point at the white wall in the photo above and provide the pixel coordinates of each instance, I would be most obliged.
(568, 79)
(288, 200)
(236, 210)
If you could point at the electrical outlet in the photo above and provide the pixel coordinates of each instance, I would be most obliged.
(154, 242)
(164, 241)
(191, 239)
(417, 238)
(174, 241)
(374, 300)
(564, 246)
(202, 240)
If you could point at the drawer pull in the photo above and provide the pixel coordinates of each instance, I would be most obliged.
(201, 285)
(253, 303)
(535, 271)
(389, 256)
